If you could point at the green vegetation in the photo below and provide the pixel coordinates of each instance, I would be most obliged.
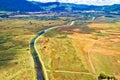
(61, 53)
(16, 62)
(58, 52)
(81, 50)
(104, 76)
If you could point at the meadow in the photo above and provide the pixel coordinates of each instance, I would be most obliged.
(16, 61)
(78, 52)
(85, 50)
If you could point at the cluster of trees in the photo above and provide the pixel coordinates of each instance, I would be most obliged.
(4, 16)
(103, 76)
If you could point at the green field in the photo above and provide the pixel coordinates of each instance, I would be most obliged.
(16, 62)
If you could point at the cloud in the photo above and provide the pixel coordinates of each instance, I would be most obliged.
(89, 2)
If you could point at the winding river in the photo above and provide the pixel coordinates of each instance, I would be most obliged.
(37, 62)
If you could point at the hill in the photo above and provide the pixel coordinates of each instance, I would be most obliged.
(31, 6)
(56, 6)
(18, 5)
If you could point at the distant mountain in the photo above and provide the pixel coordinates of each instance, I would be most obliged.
(56, 6)
(87, 2)
(31, 6)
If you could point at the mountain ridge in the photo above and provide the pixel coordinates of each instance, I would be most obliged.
(32, 6)
(87, 2)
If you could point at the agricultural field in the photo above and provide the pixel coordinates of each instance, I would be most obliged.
(81, 51)
(16, 61)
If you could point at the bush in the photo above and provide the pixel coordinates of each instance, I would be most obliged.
(102, 76)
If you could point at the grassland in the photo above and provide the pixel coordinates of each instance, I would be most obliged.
(106, 50)
(79, 52)
(87, 50)
(16, 62)
(60, 54)
(70, 76)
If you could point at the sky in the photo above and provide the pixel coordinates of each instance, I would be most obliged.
(89, 2)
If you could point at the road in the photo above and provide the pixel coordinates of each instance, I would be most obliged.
(72, 72)
(37, 61)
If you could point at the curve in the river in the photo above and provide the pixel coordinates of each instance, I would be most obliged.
(38, 65)
(37, 62)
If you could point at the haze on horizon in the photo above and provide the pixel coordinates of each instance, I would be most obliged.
(88, 2)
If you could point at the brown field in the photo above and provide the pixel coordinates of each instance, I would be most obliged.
(91, 49)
